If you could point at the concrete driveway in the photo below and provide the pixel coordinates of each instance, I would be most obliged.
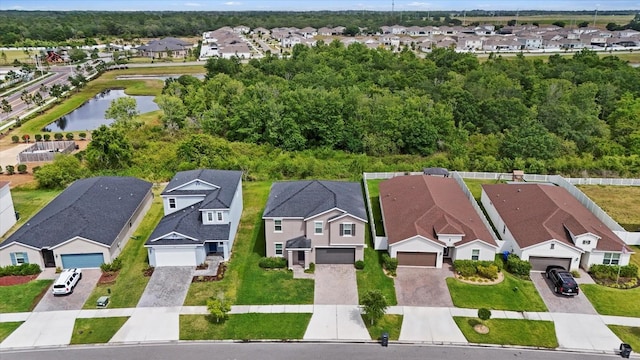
(580, 332)
(432, 325)
(168, 286)
(335, 284)
(417, 286)
(560, 303)
(51, 328)
(74, 301)
(336, 322)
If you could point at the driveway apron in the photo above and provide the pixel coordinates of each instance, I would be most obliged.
(584, 332)
(50, 328)
(168, 286)
(335, 285)
(433, 325)
(150, 324)
(336, 322)
(74, 301)
(417, 286)
(560, 303)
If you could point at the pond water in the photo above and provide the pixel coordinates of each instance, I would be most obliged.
(90, 115)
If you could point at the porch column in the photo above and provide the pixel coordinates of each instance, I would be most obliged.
(225, 251)
(289, 259)
(306, 259)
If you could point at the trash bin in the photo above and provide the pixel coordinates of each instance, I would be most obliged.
(384, 339)
(625, 350)
(505, 255)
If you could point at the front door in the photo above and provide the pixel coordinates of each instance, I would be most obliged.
(446, 252)
(212, 247)
(47, 256)
(301, 257)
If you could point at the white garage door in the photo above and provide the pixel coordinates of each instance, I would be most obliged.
(175, 257)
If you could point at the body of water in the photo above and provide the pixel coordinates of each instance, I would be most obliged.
(90, 115)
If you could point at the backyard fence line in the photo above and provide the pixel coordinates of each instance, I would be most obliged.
(45, 151)
(474, 203)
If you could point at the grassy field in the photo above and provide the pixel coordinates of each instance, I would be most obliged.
(620, 202)
(510, 332)
(374, 195)
(6, 328)
(609, 301)
(630, 335)
(389, 323)
(244, 281)
(130, 283)
(511, 294)
(96, 330)
(23, 297)
(372, 277)
(27, 200)
(245, 327)
(19, 55)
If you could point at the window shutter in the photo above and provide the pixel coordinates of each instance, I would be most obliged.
(341, 229)
(13, 258)
(26, 258)
(353, 229)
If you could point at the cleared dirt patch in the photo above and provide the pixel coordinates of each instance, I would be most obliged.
(620, 202)
(16, 279)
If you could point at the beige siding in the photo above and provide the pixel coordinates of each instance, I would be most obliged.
(80, 246)
(320, 240)
(291, 228)
(336, 239)
(35, 257)
(130, 227)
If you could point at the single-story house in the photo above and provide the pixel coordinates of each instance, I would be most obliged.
(166, 47)
(315, 221)
(7, 211)
(546, 225)
(202, 210)
(428, 219)
(88, 224)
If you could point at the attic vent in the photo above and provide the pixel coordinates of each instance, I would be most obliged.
(519, 190)
(119, 197)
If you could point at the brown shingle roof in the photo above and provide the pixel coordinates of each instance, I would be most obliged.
(427, 205)
(3, 184)
(536, 213)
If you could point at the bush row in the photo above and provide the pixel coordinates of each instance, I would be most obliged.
(391, 264)
(518, 267)
(23, 269)
(113, 266)
(47, 137)
(610, 272)
(273, 263)
(10, 169)
(485, 269)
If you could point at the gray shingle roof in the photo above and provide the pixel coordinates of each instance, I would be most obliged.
(187, 222)
(168, 43)
(300, 242)
(308, 198)
(96, 209)
(226, 180)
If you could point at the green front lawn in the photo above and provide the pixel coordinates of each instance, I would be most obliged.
(27, 200)
(130, 283)
(245, 327)
(510, 332)
(372, 277)
(389, 323)
(511, 294)
(374, 196)
(23, 297)
(6, 328)
(610, 301)
(96, 330)
(244, 282)
(629, 335)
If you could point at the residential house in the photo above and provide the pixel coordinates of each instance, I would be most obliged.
(428, 219)
(166, 47)
(546, 225)
(7, 211)
(308, 32)
(241, 29)
(88, 224)
(202, 210)
(315, 221)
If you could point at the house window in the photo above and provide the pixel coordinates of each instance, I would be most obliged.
(347, 229)
(504, 229)
(19, 258)
(209, 216)
(279, 249)
(317, 227)
(277, 226)
(219, 215)
(611, 259)
(172, 203)
(475, 254)
(552, 246)
(586, 242)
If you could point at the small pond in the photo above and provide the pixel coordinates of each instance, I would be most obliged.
(90, 115)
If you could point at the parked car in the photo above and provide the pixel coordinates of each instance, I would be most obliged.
(563, 281)
(66, 282)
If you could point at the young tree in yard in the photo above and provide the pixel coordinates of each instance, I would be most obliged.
(123, 110)
(218, 308)
(6, 107)
(374, 305)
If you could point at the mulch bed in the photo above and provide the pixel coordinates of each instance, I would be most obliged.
(16, 279)
(219, 276)
(108, 277)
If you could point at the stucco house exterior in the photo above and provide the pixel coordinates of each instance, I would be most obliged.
(315, 221)
(428, 219)
(546, 225)
(88, 224)
(165, 47)
(7, 211)
(202, 210)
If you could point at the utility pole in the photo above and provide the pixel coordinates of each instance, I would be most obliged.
(595, 17)
(517, 14)
(464, 18)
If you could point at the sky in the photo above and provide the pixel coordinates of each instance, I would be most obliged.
(312, 5)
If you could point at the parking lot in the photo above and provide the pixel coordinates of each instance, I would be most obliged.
(73, 301)
(560, 303)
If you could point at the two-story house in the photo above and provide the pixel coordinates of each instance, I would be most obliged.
(320, 222)
(202, 210)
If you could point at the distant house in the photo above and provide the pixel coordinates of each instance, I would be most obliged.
(202, 210)
(7, 211)
(88, 224)
(320, 222)
(428, 219)
(166, 47)
(546, 225)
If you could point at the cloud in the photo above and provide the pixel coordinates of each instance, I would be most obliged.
(232, 3)
(419, 4)
(192, 4)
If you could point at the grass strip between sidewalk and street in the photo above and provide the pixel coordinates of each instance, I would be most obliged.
(511, 294)
(628, 334)
(6, 328)
(245, 327)
(96, 330)
(510, 332)
(610, 301)
(389, 323)
(22, 297)
(130, 282)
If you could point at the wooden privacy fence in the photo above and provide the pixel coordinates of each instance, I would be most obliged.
(45, 151)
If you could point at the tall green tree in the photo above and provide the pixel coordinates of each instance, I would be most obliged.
(64, 170)
(124, 111)
(6, 107)
(109, 149)
(174, 113)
